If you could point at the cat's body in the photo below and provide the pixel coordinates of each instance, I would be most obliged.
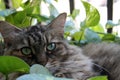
(92, 60)
(43, 45)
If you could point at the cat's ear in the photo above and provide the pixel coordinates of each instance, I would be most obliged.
(8, 31)
(58, 23)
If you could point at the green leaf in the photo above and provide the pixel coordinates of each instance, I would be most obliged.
(16, 3)
(2, 5)
(9, 64)
(98, 78)
(39, 69)
(7, 12)
(91, 36)
(92, 15)
(19, 19)
(39, 17)
(98, 29)
(75, 13)
(77, 35)
(109, 37)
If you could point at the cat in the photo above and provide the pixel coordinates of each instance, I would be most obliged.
(70, 61)
(46, 45)
(26, 44)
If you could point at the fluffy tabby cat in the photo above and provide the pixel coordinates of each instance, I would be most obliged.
(45, 44)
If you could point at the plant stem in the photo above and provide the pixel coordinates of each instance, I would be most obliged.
(6, 77)
(81, 36)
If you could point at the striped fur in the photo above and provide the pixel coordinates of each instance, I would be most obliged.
(63, 60)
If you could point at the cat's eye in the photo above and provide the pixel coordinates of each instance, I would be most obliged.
(51, 46)
(26, 50)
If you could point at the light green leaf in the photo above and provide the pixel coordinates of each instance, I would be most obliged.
(91, 36)
(75, 13)
(98, 28)
(98, 78)
(16, 3)
(9, 64)
(39, 69)
(77, 35)
(92, 15)
(2, 5)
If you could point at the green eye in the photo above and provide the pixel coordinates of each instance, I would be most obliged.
(26, 50)
(51, 46)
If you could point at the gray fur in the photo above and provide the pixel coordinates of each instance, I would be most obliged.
(64, 60)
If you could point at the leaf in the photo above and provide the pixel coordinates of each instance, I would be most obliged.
(75, 13)
(40, 18)
(19, 19)
(39, 77)
(91, 36)
(7, 12)
(77, 35)
(69, 26)
(16, 3)
(109, 37)
(99, 29)
(53, 11)
(92, 15)
(9, 64)
(2, 5)
(39, 69)
(98, 78)
(110, 24)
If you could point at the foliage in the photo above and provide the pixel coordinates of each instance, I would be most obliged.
(10, 64)
(98, 78)
(23, 14)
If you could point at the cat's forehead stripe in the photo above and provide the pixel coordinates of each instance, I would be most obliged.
(35, 37)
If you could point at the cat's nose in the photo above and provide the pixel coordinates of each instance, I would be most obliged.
(42, 59)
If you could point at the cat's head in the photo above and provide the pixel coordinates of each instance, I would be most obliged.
(32, 44)
(54, 34)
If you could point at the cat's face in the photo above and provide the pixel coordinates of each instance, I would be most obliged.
(34, 43)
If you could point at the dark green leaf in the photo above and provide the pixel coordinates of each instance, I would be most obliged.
(109, 37)
(9, 64)
(92, 15)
